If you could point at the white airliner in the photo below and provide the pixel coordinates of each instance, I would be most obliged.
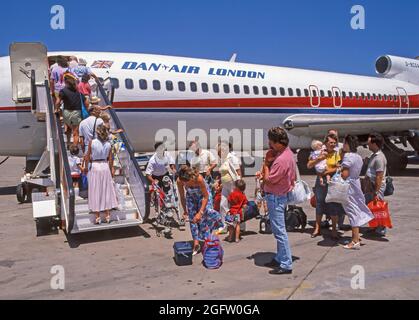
(156, 91)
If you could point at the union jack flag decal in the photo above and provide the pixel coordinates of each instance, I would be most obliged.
(102, 64)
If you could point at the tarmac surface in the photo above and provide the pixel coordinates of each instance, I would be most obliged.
(136, 264)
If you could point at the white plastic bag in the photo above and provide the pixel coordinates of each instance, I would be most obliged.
(338, 190)
(301, 192)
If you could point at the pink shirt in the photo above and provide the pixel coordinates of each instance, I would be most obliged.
(282, 174)
(84, 88)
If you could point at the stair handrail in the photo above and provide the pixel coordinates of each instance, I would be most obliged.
(128, 147)
(63, 176)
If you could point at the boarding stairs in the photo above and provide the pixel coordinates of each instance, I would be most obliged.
(130, 184)
(51, 189)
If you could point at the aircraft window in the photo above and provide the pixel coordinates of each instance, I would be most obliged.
(255, 89)
(143, 84)
(274, 91)
(337, 94)
(362, 96)
(246, 89)
(282, 91)
(306, 93)
(156, 85)
(298, 91)
(351, 95)
(390, 97)
(194, 87)
(290, 92)
(368, 96)
(329, 93)
(374, 96)
(215, 87)
(204, 87)
(226, 88)
(314, 92)
(236, 88)
(385, 97)
(181, 85)
(322, 93)
(129, 84)
(380, 97)
(395, 98)
(115, 82)
(343, 94)
(265, 90)
(169, 85)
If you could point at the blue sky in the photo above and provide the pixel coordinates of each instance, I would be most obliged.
(298, 33)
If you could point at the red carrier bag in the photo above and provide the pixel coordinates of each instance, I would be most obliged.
(381, 214)
(313, 201)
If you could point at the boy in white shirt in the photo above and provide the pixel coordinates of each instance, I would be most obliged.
(75, 164)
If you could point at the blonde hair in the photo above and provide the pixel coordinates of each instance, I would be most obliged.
(105, 116)
(315, 143)
(102, 133)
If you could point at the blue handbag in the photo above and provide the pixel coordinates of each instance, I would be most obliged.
(84, 112)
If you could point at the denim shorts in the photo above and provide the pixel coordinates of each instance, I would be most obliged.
(331, 208)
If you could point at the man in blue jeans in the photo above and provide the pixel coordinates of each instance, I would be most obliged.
(279, 174)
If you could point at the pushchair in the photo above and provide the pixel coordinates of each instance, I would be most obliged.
(165, 200)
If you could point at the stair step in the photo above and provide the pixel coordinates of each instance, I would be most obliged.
(81, 201)
(84, 210)
(105, 226)
(83, 219)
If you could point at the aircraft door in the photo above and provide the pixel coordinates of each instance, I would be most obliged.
(403, 101)
(314, 96)
(25, 57)
(337, 97)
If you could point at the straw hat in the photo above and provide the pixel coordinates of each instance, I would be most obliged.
(95, 100)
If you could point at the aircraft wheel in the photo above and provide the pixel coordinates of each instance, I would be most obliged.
(20, 193)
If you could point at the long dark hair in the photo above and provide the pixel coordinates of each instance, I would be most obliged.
(352, 142)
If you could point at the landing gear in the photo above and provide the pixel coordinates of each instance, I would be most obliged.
(20, 193)
(397, 159)
(302, 159)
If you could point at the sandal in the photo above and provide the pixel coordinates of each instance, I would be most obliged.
(316, 234)
(353, 246)
(98, 220)
(108, 219)
(197, 250)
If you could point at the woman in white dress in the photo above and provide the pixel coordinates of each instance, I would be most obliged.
(229, 171)
(101, 191)
(356, 209)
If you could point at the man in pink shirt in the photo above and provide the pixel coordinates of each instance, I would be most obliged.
(279, 174)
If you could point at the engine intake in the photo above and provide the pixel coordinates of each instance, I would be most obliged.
(399, 68)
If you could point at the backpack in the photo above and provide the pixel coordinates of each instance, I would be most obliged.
(295, 217)
(212, 253)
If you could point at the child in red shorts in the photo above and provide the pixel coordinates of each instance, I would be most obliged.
(237, 200)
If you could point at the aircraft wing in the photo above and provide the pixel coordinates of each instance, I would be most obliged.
(315, 125)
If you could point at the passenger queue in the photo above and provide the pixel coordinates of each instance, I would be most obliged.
(211, 190)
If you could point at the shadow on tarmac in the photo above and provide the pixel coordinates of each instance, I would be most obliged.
(75, 240)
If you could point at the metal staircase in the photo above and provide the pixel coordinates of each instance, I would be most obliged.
(53, 196)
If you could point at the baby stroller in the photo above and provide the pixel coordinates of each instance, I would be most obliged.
(166, 203)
